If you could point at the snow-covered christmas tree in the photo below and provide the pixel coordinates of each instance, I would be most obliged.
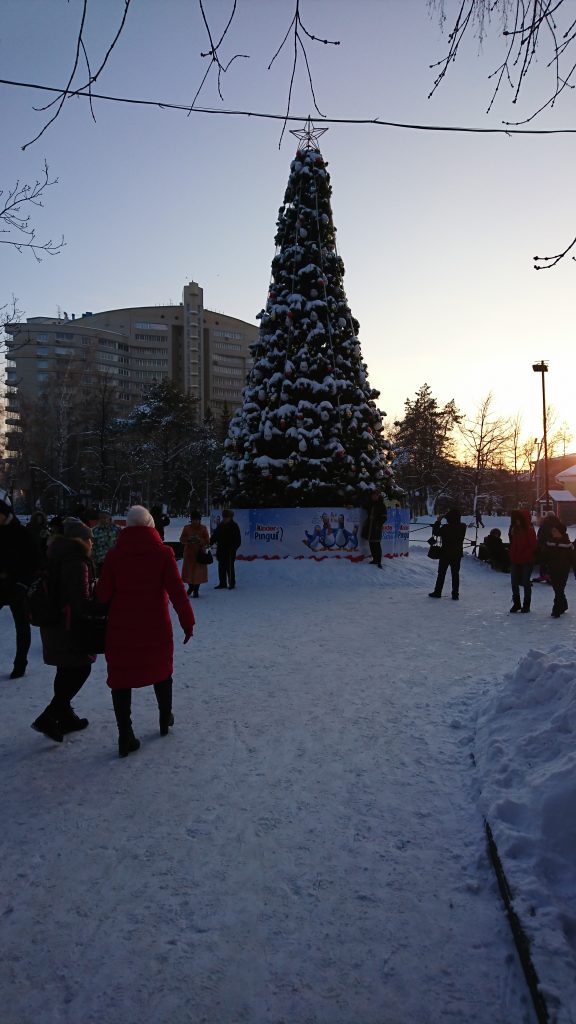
(309, 432)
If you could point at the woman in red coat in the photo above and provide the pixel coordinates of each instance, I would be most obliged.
(522, 551)
(138, 576)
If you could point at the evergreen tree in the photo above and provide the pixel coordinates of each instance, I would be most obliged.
(424, 446)
(309, 431)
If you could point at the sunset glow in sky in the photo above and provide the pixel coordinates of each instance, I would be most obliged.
(437, 230)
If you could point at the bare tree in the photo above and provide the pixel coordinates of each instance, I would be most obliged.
(532, 29)
(15, 219)
(485, 440)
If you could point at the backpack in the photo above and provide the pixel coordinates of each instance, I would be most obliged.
(42, 599)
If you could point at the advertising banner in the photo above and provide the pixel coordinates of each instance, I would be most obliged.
(314, 533)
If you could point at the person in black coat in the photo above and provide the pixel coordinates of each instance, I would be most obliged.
(160, 519)
(227, 538)
(452, 536)
(70, 562)
(493, 550)
(560, 559)
(373, 526)
(20, 559)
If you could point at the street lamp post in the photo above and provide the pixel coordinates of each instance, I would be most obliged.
(542, 367)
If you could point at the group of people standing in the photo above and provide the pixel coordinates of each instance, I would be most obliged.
(196, 542)
(131, 575)
(552, 548)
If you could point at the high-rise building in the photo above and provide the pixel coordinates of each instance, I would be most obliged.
(205, 353)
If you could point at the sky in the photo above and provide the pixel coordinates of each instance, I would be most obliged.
(437, 230)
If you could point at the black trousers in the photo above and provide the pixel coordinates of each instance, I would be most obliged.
(67, 683)
(17, 606)
(122, 702)
(226, 573)
(559, 579)
(376, 551)
(443, 565)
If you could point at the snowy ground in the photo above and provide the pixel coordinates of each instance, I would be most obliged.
(307, 846)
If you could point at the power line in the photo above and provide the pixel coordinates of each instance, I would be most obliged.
(163, 105)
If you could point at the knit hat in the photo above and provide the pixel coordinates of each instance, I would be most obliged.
(76, 528)
(139, 516)
(5, 504)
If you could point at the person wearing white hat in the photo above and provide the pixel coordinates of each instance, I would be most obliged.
(19, 560)
(138, 577)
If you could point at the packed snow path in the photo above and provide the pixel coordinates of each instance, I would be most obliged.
(304, 847)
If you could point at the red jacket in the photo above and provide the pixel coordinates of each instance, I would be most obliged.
(523, 542)
(138, 576)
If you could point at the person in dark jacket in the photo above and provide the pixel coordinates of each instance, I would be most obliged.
(38, 527)
(138, 577)
(227, 538)
(494, 550)
(560, 559)
(452, 536)
(160, 519)
(522, 551)
(373, 526)
(548, 521)
(70, 563)
(20, 559)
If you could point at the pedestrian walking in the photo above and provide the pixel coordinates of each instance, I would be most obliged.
(227, 538)
(545, 524)
(195, 539)
(138, 577)
(452, 535)
(20, 558)
(72, 574)
(522, 552)
(560, 559)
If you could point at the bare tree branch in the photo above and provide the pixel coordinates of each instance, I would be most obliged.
(15, 220)
(213, 54)
(80, 46)
(299, 27)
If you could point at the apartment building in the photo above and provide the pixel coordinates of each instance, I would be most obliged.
(205, 353)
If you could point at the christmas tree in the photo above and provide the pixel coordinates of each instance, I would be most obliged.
(309, 432)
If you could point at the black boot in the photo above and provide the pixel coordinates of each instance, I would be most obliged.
(127, 741)
(19, 669)
(163, 693)
(434, 594)
(196, 591)
(48, 724)
(69, 721)
(516, 606)
(189, 591)
(526, 606)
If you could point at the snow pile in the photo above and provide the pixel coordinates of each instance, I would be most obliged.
(526, 757)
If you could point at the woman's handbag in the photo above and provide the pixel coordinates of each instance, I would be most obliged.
(435, 549)
(204, 557)
(89, 631)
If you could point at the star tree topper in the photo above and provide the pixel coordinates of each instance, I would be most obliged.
(308, 135)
